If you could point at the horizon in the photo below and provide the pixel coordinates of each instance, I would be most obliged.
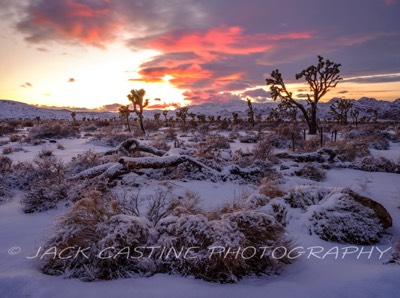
(113, 108)
(89, 54)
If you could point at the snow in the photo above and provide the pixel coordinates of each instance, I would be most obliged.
(307, 277)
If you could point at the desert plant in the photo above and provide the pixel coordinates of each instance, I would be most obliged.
(340, 109)
(45, 184)
(139, 104)
(53, 130)
(125, 113)
(320, 78)
(311, 171)
(250, 113)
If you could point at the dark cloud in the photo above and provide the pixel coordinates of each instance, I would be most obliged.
(85, 21)
(109, 108)
(27, 85)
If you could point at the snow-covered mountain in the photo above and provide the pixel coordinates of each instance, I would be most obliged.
(386, 110)
(18, 110)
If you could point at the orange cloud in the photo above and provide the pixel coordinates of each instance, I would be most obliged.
(193, 58)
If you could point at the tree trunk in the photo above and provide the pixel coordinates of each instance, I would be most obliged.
(129, 125)
(141, 123)
(312, 125)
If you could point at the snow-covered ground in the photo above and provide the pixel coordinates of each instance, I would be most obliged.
(329, 276)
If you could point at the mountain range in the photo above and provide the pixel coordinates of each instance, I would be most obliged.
(17, 110)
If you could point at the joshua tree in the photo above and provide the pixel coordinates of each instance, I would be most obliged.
(157, 118)
(250, 113)
(340, 109)
(73, 115)
(320, 78)
(235, 117)
(354, 113)
(202, 118)
(182, 113)
(165, 113)
(125, 113)
(139, 104)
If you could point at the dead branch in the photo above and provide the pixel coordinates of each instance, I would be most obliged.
(132, 145)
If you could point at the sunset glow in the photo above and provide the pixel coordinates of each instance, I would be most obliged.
(92, 53)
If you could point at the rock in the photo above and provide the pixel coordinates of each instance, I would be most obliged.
(380, 211)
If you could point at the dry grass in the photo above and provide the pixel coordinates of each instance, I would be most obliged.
(312, 172)
(270, 188)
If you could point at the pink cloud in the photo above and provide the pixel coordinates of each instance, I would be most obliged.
(208, 43)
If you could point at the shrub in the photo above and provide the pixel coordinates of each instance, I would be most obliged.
(83, 161)
(98, 224)
(8, 150)
(45, 153)
(339, 215)
(377, 164)
(270, 188)
(160, 142)
(45, 184)
(395, 256)
(5, 165)
(264, 150)
(217, 241)
(109, 139)
(53, 130)
(312, 172)
(347, 222)
(350, 150)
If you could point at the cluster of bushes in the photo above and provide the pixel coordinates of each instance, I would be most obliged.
(53, 130)
(192, 241)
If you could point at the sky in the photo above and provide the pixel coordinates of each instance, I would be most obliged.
(91, 53)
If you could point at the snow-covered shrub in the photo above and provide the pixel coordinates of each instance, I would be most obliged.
(378, 143)
(109, 139)
(311, 171)
(95, 224)
(270, 188)
(160, 142)
(341, 219)
(83, 161)
(377, 164)
(211, 146)
(248, 138)
(8, 150)
(124, 233)
(45, 152)
(312, 144)
(264, 150)
(395, 256)
(350, 150)
(6, 128)
(339, 215)
(45, 184)
(5, 165)
(53, 130)
(304, 196)
(219, 245)
(191, 241)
